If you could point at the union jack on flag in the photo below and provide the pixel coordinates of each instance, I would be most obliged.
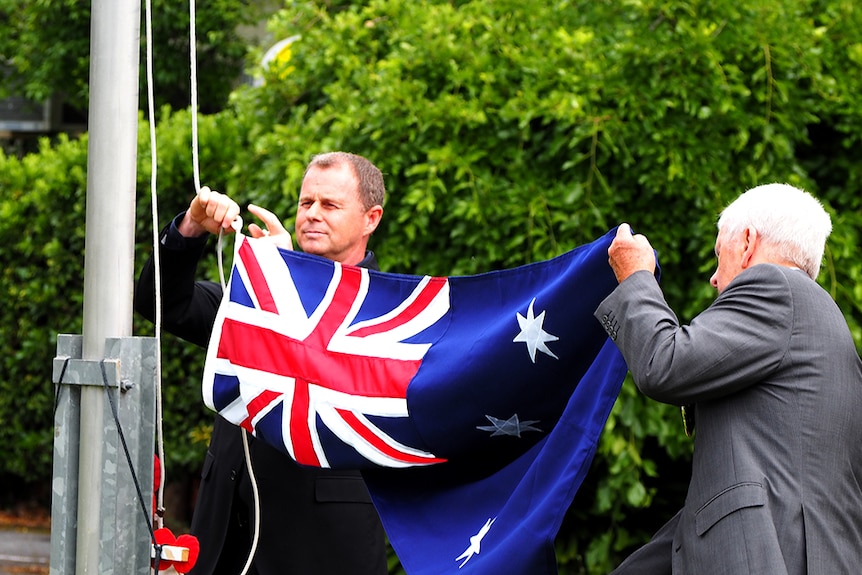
(309, 367)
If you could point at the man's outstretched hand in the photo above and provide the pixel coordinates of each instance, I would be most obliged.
(209, 211)
(274, 230)
(629, 253)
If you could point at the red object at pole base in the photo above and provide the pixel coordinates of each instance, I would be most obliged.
(181, 552)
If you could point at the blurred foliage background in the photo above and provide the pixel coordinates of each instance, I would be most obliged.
(508, 132)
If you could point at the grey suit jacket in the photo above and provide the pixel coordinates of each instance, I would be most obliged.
(776, 381)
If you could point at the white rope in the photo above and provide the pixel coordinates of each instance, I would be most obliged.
(194, 86)
(160, 497)
(237, 225)
(251, 476)
(157, 264)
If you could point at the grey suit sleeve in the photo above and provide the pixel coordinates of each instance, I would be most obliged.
(742, 337)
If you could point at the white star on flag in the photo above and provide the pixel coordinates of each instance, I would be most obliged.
(533, 334)
(475, 543)
(512, 426)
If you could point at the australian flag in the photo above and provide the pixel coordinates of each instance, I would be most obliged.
(487, 393)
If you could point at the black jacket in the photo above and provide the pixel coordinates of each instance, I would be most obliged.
(312, 521)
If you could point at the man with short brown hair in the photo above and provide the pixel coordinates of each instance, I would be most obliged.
(312, 521)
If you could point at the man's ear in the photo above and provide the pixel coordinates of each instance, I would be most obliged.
(372, 218)
(751, 243)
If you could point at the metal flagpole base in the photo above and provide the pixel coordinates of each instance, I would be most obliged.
(129, 374)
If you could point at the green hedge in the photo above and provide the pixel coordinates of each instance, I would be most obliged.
(508, 132)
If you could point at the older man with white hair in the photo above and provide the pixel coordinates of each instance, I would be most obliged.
(774, 383)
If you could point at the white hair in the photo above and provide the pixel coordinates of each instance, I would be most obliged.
(791, 221)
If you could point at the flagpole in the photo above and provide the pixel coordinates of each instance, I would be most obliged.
(109, 243)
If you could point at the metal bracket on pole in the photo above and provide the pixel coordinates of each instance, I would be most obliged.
(76, 371)
(125, 544)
